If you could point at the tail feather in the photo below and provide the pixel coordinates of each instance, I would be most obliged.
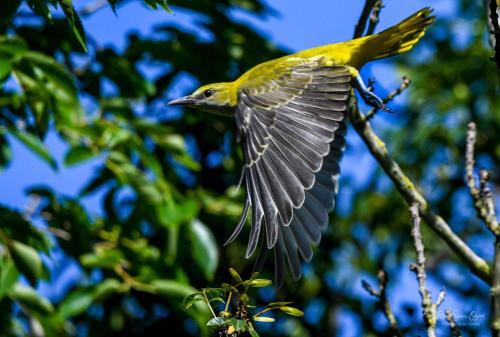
(401, 37)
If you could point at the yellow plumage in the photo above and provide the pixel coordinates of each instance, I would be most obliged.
(354, 53)
(290, 118)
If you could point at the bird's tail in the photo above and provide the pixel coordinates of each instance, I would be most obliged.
(399, 38)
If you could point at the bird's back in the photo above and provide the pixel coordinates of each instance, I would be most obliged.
(355, 53)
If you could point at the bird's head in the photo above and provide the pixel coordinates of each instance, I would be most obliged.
(219, 98)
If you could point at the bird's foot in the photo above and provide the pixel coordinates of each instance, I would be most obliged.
(369, 96)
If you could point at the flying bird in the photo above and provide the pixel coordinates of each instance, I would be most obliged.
(290, 117)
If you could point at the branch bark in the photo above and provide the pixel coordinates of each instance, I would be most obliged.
(486, 211)
(429, 309)
(410, 194)
(383, 301)
(363, 18)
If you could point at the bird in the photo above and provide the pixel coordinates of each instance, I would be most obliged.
(290, 115)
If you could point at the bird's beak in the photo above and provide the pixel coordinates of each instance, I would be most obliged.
(186, 100)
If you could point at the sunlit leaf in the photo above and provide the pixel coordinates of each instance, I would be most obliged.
(235, 275)
(258, 283)
(31, 299)
(218, 321)
(292, 311)
(263, 319)
(27, 260)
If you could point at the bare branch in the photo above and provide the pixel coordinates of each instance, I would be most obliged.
(410, 194)
(429, 309)
(363, 18)
(374, 17)
(481, 195)
(494, 30)
(453, 325)
(405, 83)
(383, 303)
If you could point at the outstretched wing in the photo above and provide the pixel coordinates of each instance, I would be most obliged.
(291, 129)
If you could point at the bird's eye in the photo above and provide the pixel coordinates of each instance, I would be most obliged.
(207, 93)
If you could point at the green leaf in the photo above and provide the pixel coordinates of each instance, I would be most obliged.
(12, 46)
(235, 275)
(35, 145)
(218, 321)
(40, 7)
(189, 300)
(171, 288)
(76, 303)
(277, 305)
(162, 3)
(31, 299)
(204, 248)
(229, 288)
(292, 311)
(74, 22)
(26, 259)
(78, 154)
(105, 288)
(239, 324)
(258, 283)
(5, 67)
(253, 333)
(8, 275)
(263, 319)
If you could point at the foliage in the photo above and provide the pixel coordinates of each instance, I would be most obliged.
(235, 319)
(167, 206)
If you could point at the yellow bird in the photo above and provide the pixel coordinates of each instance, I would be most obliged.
(290, 116)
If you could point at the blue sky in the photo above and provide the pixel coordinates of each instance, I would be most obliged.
(298, 26)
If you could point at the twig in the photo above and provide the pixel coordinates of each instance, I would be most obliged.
(363, 18)
(428, 308)
(405, 83)
(410, 194)
(374, 17)
(494, 28)
(383, 303)
(453, 325)
(479, 191)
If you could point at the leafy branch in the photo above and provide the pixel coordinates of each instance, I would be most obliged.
(235, 318)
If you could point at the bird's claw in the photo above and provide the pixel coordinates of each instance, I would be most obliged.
(369, 96)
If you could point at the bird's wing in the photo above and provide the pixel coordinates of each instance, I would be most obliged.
(291, 129)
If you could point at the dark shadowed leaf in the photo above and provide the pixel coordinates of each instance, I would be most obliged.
(77, 154)
(204, 249)
(74, 22)
(35, 145)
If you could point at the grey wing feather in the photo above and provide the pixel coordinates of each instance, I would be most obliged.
(292, 133)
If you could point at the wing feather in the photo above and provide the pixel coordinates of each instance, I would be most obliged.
(292, 132)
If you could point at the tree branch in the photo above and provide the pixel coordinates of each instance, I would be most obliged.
(410, 194)
(479, 191)
(374, 17)
(363, 18)
(428, 308)
(453, 325)
(494, 30)
(383, 301)
(485, 208)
